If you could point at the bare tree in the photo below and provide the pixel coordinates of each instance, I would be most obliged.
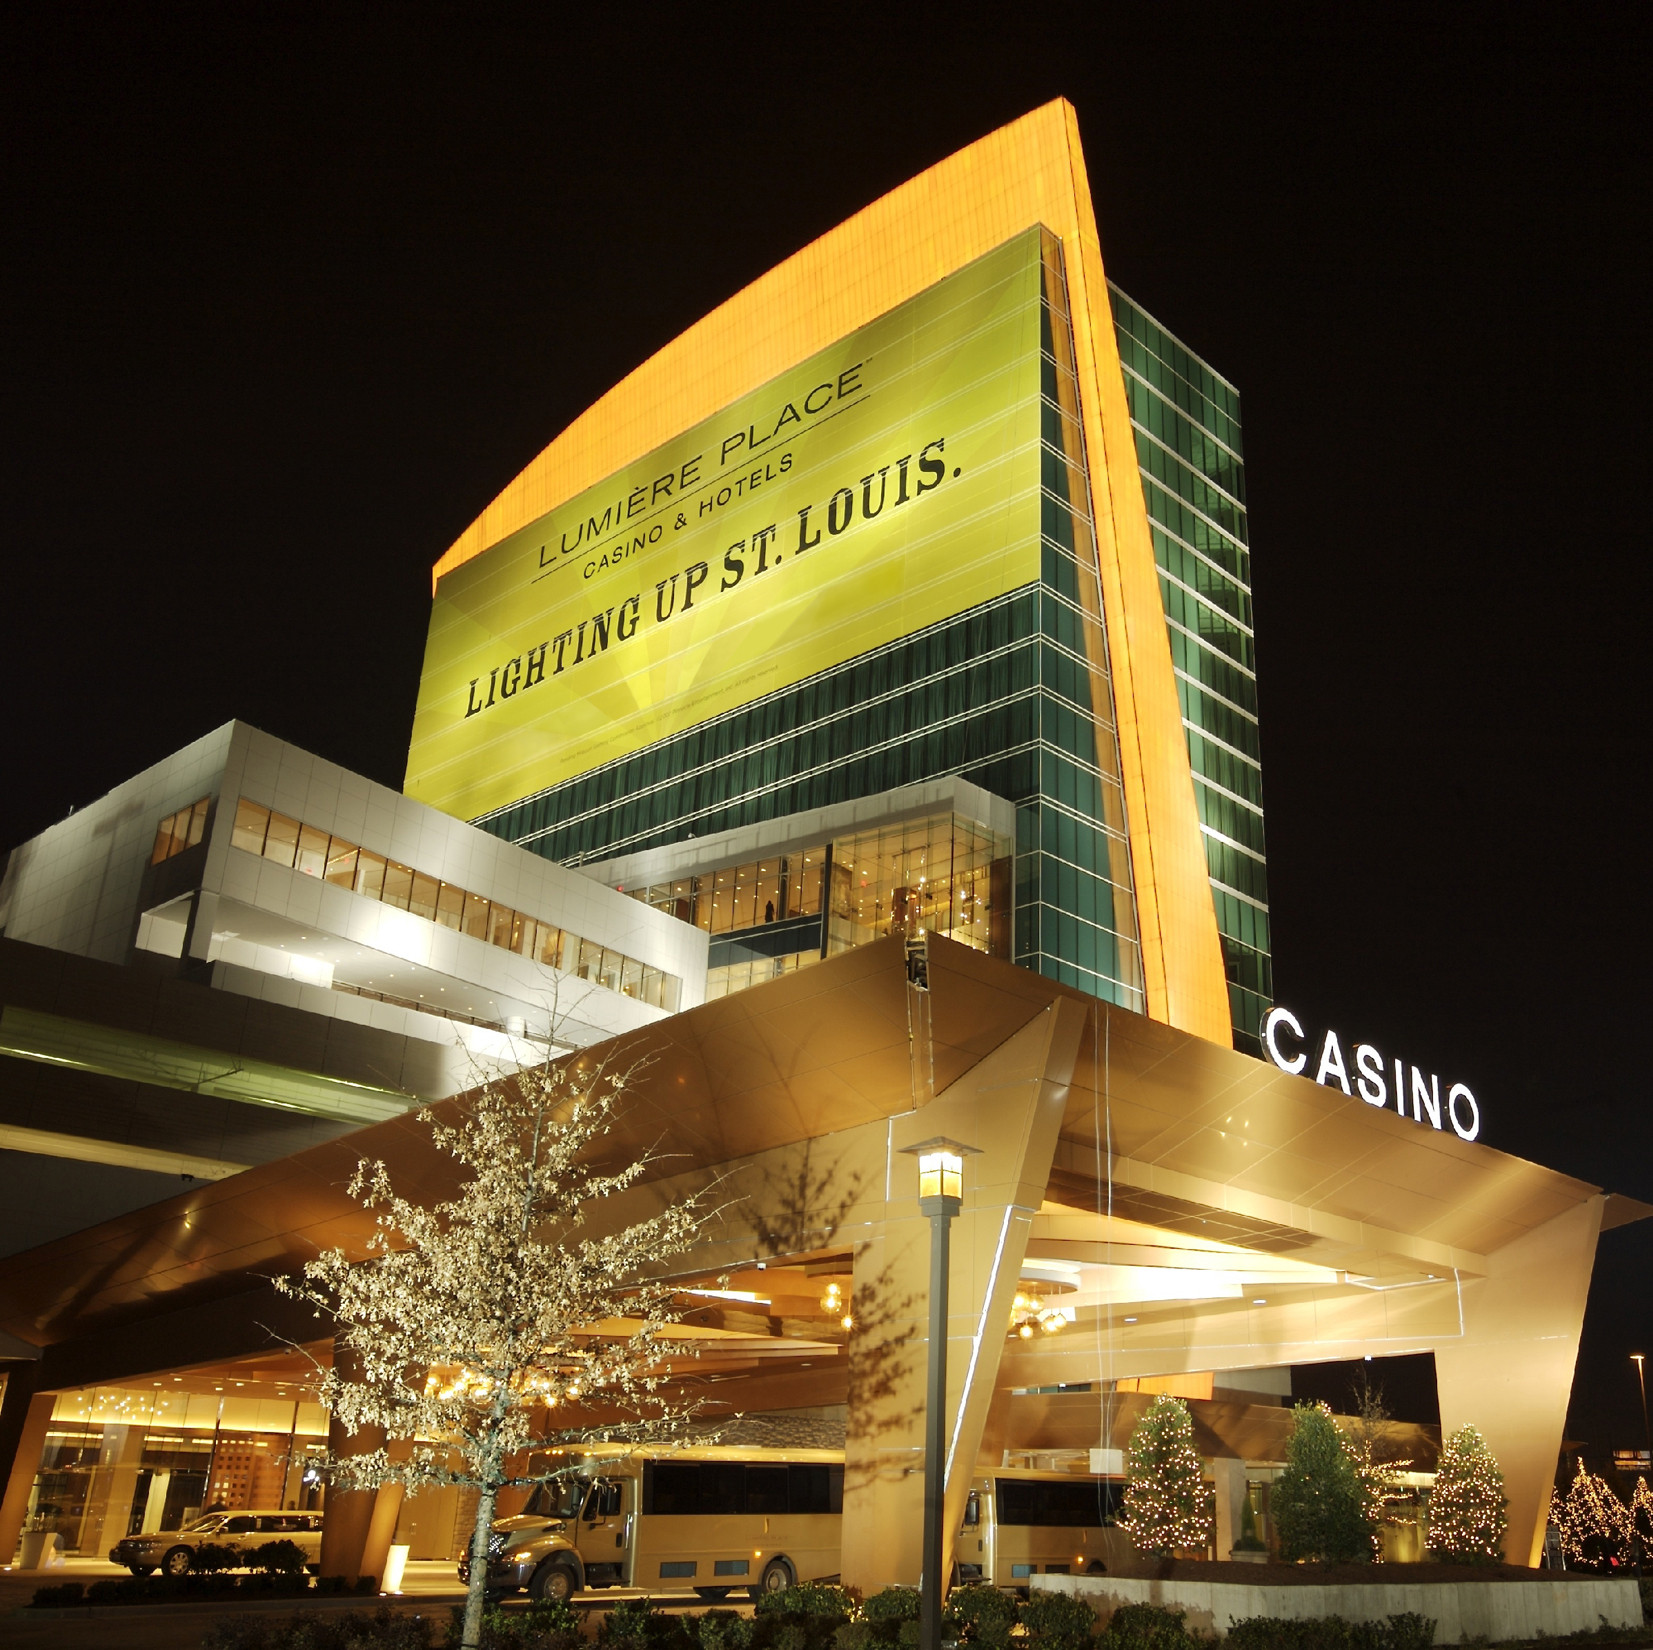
(474, 1321)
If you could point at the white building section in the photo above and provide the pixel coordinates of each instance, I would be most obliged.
(252, 866)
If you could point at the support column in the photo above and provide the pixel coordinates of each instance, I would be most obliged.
(1009, 1107)
(25, 1416)
(1510, 1373)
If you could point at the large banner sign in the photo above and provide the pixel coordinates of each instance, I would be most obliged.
(889, 482)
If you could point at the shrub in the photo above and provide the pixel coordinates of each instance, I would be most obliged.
(1403, 1632)
(385, 1629)
(1319, 1503)
(65, 1592)
(342, 1587)
(547, 1624)
(1058, 1621)
(724, 1630)
(985, 1615)
(892, 1604)
(810, 1598)
(277, 1558)
(853, 1635)
(210, 1559)
(1146, 1627)
(635, 1624)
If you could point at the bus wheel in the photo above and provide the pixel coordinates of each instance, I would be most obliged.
(553, 1580)
(713, 1594)
(777, 1574)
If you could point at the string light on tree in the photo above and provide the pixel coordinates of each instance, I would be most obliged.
(1165, 1495)
(1597, 1532)
(1467, 1516)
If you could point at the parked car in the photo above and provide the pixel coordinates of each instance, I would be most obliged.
(172, 1552)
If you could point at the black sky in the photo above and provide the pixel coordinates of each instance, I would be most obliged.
(290, 293)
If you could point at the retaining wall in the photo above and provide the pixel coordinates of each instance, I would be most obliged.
(1460, 1609)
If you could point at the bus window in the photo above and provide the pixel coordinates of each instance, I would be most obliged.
(972, 1510)
(603, 1501)
(1084, 1503)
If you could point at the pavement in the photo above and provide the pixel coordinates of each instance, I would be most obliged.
(427, 1587)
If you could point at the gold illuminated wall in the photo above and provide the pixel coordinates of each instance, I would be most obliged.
(1027, 174)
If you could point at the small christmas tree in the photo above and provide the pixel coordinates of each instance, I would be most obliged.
(1641, 1515)
(1466, 1509)
(1319, 1502)
(1597, 1532)
(1165, 1495)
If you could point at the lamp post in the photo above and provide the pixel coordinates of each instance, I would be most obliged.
(1640, 1361)
(940, 1196)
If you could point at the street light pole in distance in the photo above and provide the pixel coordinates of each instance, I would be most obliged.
(1640, 1361)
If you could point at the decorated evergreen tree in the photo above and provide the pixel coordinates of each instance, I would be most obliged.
(1597, 1531)
(1319, 1502)
(1466, 1509)
(1641, 1515)
(1165, 1496)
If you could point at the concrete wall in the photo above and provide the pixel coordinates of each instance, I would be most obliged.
(1460, 1610)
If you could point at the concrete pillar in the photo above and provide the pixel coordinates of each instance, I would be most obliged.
(25, 1416)
(1009, 1107)
(1510, 1373)
(349, 1520)
(1228, 1479)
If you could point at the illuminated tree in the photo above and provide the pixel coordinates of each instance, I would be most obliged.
(1165, 1494)
(1641, 1514)
(1370, 1446)
(1319, 1502)
(469, 1325)
(1597, 1531)
(1466, 1508)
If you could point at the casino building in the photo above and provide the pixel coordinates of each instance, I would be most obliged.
(854, 711)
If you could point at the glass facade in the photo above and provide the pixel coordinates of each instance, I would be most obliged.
(118, 1461)
(1187, 425)
(1013, 695)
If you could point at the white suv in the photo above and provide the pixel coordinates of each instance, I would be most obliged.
(173, 1551)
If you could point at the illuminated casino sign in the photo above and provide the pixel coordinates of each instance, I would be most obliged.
(1366, 1072)
(885, 484)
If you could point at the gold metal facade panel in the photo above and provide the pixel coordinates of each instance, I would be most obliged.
(1029, 172)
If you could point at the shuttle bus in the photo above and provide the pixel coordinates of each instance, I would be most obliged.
(671, 1520)
(1020, 1523)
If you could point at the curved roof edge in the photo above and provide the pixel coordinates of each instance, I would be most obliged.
(903, 243)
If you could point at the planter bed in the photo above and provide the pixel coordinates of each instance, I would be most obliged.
(1498, 1602)
(206, 1589)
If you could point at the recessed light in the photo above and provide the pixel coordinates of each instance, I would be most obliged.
(1130, 1320)
(1259, 1303)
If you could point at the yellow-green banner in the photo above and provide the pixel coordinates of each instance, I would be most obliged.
(888, 483)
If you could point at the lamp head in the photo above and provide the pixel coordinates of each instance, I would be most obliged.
(940, 1173)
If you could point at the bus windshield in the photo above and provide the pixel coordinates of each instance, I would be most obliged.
(558, 1497)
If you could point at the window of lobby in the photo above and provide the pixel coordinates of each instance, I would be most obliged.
(120, 1460)
(313, 852)
(944, 874)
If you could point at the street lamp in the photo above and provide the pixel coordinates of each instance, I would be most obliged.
(940, 1196)
(1640, 1361)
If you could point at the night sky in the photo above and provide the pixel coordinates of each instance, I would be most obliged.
(290, 293)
